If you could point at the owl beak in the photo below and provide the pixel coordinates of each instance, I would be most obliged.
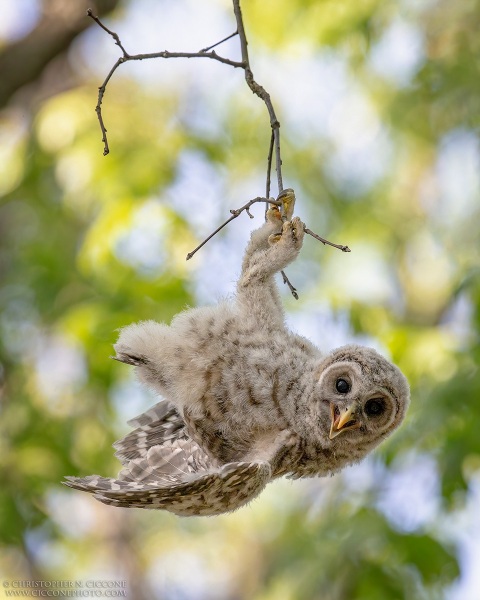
(342, 420)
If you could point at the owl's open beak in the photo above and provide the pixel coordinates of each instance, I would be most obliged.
(342, 420)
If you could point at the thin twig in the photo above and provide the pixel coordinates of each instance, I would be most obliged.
(235, 213)
(207, 52)
(259, 90)
(220, 42)
(326, 242)
(109, 31)
(269, 171)
(238, 211)
(287, 281)
(256, 88)
(269, 165)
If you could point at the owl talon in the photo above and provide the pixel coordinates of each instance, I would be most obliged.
(274, 215)
(293, 232)
(274, 238)
(287, 197)
(298, 230)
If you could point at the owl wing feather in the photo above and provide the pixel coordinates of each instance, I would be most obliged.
(165, 469)
(159, 425)
(211, 492)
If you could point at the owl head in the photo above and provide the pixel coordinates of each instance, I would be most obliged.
(360, 399)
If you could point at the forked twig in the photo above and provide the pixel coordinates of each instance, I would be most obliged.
(255, 87)
(205, 53)
(235, 213)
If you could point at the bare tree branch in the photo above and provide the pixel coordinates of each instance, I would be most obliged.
(236, 213)
(269, 171)
(269, 168)
(109, 31)
(256, 88)
(326, 242)
(292, 289)
(163, 54)
(259, 90)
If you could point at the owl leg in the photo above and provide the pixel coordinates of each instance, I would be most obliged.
(262, 265)
(271, 231)
(265, 297)
(257, 292)
(259, 238)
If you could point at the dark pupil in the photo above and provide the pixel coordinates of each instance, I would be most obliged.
(342, 386)
(374, 408)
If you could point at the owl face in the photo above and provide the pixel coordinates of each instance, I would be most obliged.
(354, 403)
(362, 397)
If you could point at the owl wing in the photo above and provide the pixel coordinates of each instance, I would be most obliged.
(159, 425)
(157, 481)
(165, 469)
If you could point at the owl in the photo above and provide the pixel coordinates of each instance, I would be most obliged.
(245, 400)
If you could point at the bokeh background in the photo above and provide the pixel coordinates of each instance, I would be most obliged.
(379, 106)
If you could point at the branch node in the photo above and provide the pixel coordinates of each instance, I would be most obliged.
(235, 213)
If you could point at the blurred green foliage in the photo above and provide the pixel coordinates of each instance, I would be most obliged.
(69, 279)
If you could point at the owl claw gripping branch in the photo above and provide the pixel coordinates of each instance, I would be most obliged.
(245, 400)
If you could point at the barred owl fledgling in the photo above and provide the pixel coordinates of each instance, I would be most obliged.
(245, 400)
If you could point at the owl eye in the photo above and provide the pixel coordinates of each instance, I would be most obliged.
(342, 386)
(375, 407)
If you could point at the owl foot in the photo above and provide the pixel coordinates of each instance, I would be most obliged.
(274, 238)
(287, 197)
(291, 235)
(274, 216)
